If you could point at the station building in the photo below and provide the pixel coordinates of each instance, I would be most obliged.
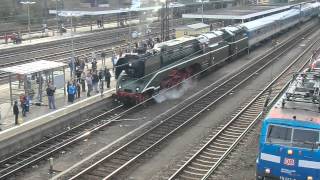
(192, 30)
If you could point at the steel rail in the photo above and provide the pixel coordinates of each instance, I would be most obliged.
(10, 165)
(197, 167)
(110, 166)
(44, 149)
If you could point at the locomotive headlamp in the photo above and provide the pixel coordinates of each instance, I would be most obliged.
(267, 171)
(119, 86)
(130, 64)
(290, 152)
(137, 89)
(309, 178)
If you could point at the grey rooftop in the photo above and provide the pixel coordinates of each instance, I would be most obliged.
(237, 13)
(33, 67)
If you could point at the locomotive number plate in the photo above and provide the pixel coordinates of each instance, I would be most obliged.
(288, 162)
(286, 178)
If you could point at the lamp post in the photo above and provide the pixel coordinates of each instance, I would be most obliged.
(57, 16)
(130, 33)
(28, 3)
(72, 49)
(202, 10)
(71, 15)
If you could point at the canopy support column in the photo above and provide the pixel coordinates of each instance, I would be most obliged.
(40, 87)
(52, 77)
(10, 87)
(64, 80)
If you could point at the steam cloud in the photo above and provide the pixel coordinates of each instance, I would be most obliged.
(174, 93)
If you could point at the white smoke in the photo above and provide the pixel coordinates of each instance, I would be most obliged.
(175, 92)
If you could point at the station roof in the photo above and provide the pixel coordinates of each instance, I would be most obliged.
(237, 13)
(33, 67)
(108, 11)
(198, 26)
(193, 26)
(95, 12)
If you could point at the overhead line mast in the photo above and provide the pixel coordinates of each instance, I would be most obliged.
(164, 14)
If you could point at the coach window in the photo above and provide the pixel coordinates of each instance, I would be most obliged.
(279, 135)
(305, 138)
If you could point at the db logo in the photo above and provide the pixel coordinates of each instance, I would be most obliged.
(288, 162)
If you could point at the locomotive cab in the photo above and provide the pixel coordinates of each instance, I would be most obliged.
(131, 64)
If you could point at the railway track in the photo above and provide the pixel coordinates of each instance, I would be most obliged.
(209, 157)
(112, 165)
(64, 45)
(62, 56)
(53, 24)
(61, 44)
(11, 166)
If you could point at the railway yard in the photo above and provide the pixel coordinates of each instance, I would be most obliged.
(186, 108)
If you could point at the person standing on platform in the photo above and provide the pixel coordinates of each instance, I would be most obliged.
(83, 81)
(113, 60)
(78, 74)
(101, 87)
(86, 61)
(78, 90)
(103, 58)
(71, 64)
(82, 65)
(107, 76)
(27, 103)
(23, 104)
(95, 81)
(50, 93)
(100, 75)
(94, 65)
(16, 112)
(89, 84)
(71, 92)
(120, 52)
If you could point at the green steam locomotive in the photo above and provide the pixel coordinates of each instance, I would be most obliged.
(139, 76)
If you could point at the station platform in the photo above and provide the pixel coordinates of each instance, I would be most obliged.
(43, 113)
(41, 121)
(53, 35)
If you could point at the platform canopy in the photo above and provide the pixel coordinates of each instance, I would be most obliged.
(236, 14)
(68, 13)
(33, 67)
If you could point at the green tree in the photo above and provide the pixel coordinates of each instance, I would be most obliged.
(6, 10)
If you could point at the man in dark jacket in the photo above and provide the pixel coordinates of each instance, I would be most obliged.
(103, 58)
(107, 76)
(16, 112)
(50, 93)
(95, 81)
